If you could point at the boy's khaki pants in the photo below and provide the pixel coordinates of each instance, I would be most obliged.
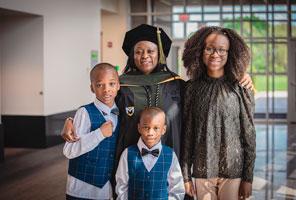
(217, 188)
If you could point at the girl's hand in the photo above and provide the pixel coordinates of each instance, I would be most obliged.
(245, 190)
(189, 189)
(246, 82)
(68, 133)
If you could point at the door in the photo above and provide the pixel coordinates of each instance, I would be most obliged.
(292, 81)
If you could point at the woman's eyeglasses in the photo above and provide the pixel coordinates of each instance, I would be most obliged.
(210, 51)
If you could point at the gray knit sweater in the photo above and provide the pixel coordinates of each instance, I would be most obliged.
(219, 133)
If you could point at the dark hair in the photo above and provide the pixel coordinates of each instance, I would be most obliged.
(238, 53)
(131, 66)
(101, 66)
(152, 111)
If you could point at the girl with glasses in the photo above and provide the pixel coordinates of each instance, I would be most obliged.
(219, 133)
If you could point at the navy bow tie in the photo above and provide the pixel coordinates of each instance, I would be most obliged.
(154, 152)
(114, 111)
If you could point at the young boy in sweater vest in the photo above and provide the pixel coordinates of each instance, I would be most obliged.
(92, 156)
(149, 170)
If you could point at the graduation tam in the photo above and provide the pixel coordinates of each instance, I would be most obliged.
(145, 32)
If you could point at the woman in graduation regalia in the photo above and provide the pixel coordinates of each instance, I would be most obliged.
(147, 81)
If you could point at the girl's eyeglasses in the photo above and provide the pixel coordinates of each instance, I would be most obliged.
(210, 51)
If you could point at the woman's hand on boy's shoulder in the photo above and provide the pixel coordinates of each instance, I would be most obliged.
(246, 82)
(68, 133)
(107, 128)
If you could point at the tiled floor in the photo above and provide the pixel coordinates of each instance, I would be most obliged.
(275, 166)
(41, 174)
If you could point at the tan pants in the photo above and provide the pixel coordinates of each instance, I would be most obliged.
(217, 188)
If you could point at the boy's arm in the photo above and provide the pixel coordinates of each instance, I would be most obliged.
(122, 177)
(175, 180)
(88, 140)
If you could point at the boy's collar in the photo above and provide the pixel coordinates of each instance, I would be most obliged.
(103, 107)
(141, 145)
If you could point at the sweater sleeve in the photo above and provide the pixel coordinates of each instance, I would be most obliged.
(188, 135)
(248, 133)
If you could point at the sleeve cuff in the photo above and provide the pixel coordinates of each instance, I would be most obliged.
(99, 134)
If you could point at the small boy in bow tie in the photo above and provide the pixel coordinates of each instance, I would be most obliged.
(92, 156)
(149, 170)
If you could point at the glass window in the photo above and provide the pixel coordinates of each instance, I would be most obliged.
(178, 9)
(280, 58)
(178, 30)
(293, 16)
(227, 16)
(279, 7)
(237, 16)
(260, 84)
(280, 29)
(280, 16)
(246, 29)
(237, 8)
(176, 17)
(280, 83)
(212, 23)
(293, 24)
(228, 25)
(246, 16)
(259, 28)
(137, 20)
(259, 16)
(293, 7)
(211, 17)
(237, 26)
(246, 8)
(138, 6)
(227, 8)
(160, 6)
(259, 62)
(260, 8)
(195, 17)
(270, 16)
(191, 28)
(212, 8)
(193, 9)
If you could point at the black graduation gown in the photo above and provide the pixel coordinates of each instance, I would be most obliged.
(161, 89)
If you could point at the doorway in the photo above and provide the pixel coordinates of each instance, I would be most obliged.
(292, 81)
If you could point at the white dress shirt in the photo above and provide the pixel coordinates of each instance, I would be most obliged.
(87, 142)
(176, 188)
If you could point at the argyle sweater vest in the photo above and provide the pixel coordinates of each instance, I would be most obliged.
(148, 185)
(95, 167)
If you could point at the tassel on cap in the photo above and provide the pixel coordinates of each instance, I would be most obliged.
(161, 54)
